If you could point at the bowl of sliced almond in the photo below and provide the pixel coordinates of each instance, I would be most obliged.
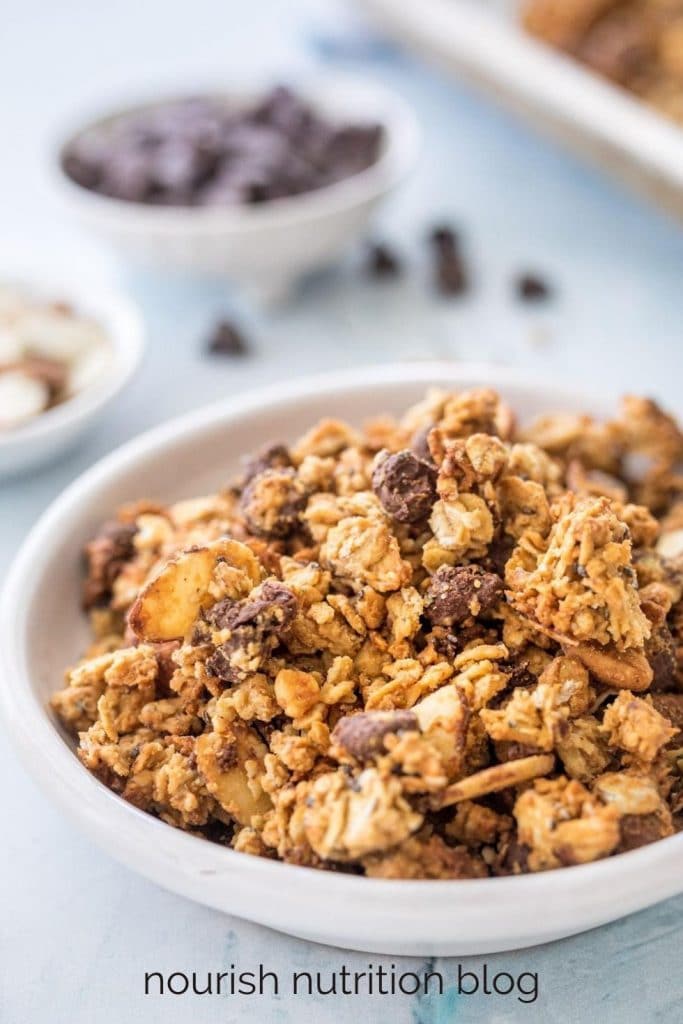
(66, 350)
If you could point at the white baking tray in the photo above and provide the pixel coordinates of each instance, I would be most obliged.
(482, 41)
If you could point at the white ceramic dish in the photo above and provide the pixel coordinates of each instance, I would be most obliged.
(46, 436)
(42, 629)
(482, 40)
(265, 247)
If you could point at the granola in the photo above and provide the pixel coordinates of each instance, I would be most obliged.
(444, 647)
(637, 44)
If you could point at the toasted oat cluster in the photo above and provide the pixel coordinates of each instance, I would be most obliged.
(445, 647)
(636, 43)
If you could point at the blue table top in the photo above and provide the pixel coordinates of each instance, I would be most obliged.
(77, 931)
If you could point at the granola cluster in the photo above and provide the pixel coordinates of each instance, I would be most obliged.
(443, 647)
(637, 44)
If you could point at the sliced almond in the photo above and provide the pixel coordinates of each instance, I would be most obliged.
(21, 398)
(169, 604)
(500, 776)
(222, 759)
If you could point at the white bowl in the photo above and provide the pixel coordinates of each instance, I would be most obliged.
(42, 629)
(46, 436)
(268, 246)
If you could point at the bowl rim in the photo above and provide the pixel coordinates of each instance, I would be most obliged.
(397, 158)
(124, 334)
(53, 764)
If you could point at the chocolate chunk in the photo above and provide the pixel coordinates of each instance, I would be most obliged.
(272, 503)
(660, 651)
(256, 625)
(383, 263)
(639, 830)
(405, 485)
(420, 444)
(207, 151)
(106, 556)
(532, 288)
(443, 236)
(270, 456)
(363, 735)
(456, 593)
(227, 340)
(671, 706)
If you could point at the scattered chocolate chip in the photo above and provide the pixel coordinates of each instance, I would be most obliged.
(382, 262)
(451, 274)
(456, 593)
(272, 503)
(106, 554)
(206, 151)
(532, 288)
(405, 485)
(227, 340)
(443, 236)
(363, 735)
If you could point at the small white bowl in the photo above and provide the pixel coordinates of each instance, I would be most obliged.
(51, 433)
(265, 247)
(42, 629)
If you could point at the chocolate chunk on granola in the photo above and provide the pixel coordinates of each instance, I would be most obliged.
(456, 593)
(639, 830)
(363, 735)
(106, 554)
(227, 339)
(272, 503)
(270, 456)
(405, 484)
(256, 625)
(660, 651)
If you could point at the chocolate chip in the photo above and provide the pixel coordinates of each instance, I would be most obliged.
(106, 554)
(420, 444)
(270, 456)
(382, 262)
(227, 340)
(405, 485)
(660, 651)
(207, 151)
(532, 288)
(456, 593)
(671, 706)
(363, 735)
(639, 830)
(443, 236)
(256, 624)
(451, 274)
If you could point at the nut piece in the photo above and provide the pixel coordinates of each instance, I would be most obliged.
(255, 627)
(169, 604)
(224, 760)
(405, 484)
(363, 735)
(296, 692)
(455, 594)
(500, 776)
(621, 670)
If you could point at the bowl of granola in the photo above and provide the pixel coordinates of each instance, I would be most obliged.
(379, 681)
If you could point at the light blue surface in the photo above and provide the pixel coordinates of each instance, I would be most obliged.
(76, 930)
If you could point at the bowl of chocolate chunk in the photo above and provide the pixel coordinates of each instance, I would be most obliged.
(392, 656)
(256, 187)
(66, 350)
